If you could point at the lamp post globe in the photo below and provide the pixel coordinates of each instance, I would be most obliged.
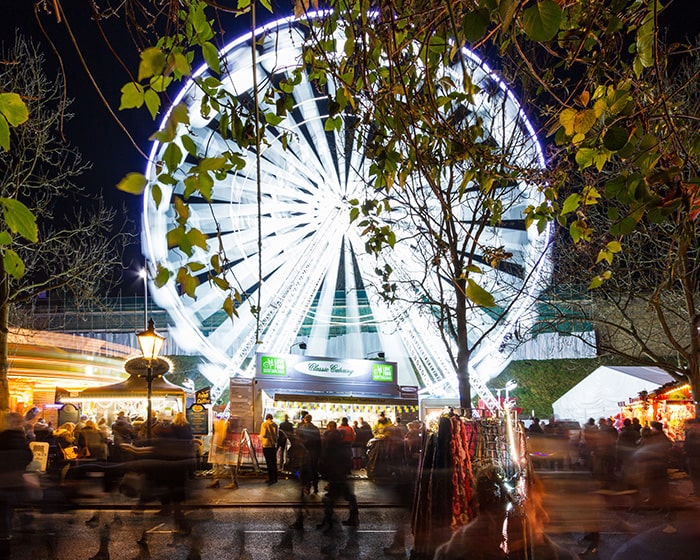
(150, 343)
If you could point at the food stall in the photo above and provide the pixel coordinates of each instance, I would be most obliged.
(330, 389)
(130, 395)
(671, 404)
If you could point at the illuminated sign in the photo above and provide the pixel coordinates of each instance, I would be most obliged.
(382, 372)
(299, 367)
(271, 365)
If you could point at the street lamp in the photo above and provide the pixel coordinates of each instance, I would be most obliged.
(301, 345)
(151, 343)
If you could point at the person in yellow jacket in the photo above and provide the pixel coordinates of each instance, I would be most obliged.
(268, 438)
(382, 428)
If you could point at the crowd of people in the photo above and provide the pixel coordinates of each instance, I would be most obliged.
(629, 457)
(312, 454)
(162, 463)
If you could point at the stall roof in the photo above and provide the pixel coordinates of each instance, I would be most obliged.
(133, 386)
(599, 394)
(357, 398)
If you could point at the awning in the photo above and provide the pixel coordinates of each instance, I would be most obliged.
(134, 386)
(313, 396)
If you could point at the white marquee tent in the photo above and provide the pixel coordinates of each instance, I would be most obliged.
(598, 395)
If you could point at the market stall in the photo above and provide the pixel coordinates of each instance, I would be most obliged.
(457, 453)
(130, 395)
(671, 404)
(331, 389)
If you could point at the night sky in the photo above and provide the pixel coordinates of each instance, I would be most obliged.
(95, 131)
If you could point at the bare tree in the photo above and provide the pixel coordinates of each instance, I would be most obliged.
(77, 252)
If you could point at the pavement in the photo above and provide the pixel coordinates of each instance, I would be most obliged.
(573, 500)
(252, 490)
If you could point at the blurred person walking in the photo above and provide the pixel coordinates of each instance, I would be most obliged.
(222, 469)
(363, 433)
(335, 464)
(627, 441)
(284, 442)
(691, 447)
(348, 436)
(309, 436)
(66, 450)
(15, 455)
(652, 456)
(91, 442)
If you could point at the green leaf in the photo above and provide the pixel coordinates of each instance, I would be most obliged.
(20, 219)
(334, 123)
(4, 134)
(614, 246)
(132, 96)
(211, 57)
(179, 115)
(179, 62)
(189, 145)
(478, 295)
(157, 194)
(160, 83)
(474, 24)
(13, 108)
(571, 204)
(172, 156)
(5, 238)
(133, 183)
(14, 266)
(152, 102)
(215, 263)
(152, 63)
(221, 283)
(541, 21)
(162, 276)
(176, 238)
(615, 138)
(596, 282)
(585, 157)
(229, 307)
(272, 118)
(645, 45)
(187, 282)
(197, 239)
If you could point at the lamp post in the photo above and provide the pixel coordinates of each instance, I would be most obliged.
(151, 343)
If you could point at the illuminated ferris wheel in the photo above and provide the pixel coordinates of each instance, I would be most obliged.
(304, 261)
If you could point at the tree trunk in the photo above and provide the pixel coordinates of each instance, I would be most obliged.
(4, 328)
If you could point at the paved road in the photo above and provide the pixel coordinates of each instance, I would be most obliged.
(255, 523)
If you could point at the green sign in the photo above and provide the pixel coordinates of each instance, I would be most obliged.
(271, 365)
(382, 372)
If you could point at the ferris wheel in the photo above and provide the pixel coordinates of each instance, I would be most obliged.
(303, 260)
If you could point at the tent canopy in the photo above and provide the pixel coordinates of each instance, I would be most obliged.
(599, 394)
(134, 386)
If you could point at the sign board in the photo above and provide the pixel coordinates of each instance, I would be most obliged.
(295, 366)
(198, 417)
(40, 450)
(203, 396)
(241, 402)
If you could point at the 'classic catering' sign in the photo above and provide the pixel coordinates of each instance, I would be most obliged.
(294, 366)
